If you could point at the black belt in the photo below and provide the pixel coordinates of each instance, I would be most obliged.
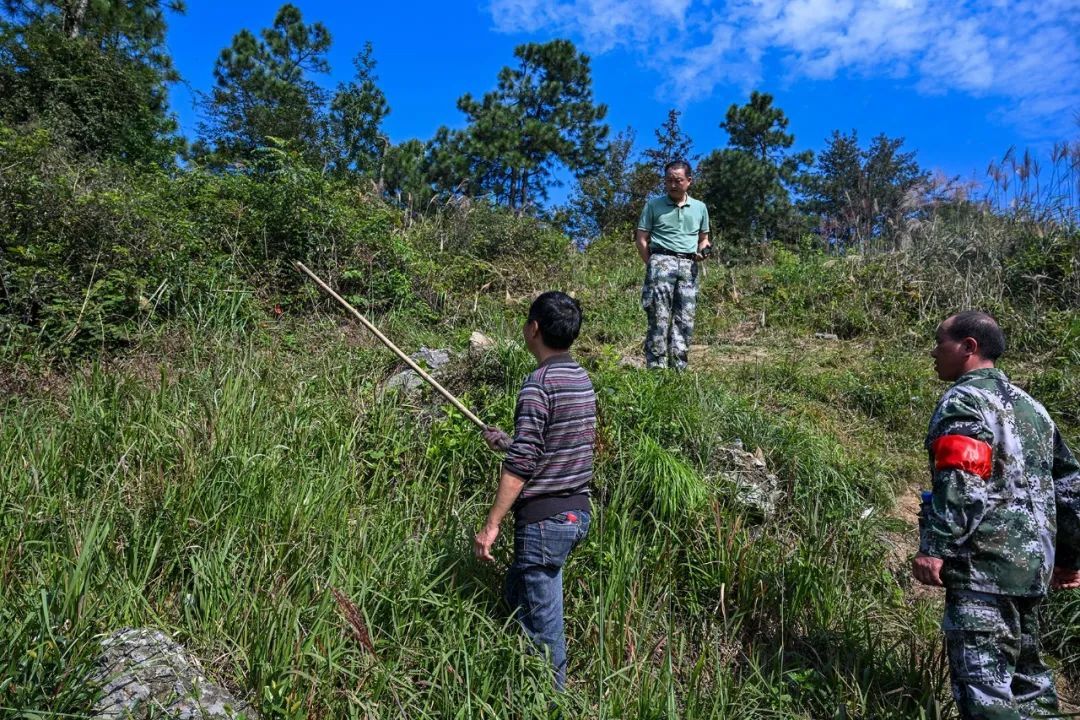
(672, 253)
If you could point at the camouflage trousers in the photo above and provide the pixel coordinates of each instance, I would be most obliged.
(994, 660)
(669, 298)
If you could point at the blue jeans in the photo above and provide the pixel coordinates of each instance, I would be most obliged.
(534, 581)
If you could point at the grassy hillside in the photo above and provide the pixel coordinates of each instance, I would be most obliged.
(223, 468)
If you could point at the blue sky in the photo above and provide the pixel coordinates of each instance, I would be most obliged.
(961, 81)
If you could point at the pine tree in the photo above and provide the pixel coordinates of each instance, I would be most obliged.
(748, 184)
(356, 114)
(264, 88)
(892, 178)
(95, 73)
(671, 144)
(834, 191)
(406, 175)
(612, 197)
(541, 116)
(861, 194)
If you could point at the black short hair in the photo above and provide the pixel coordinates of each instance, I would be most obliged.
(980, 326)
(679, 163)
(559, 318)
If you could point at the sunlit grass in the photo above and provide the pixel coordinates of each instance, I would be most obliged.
(246, 487)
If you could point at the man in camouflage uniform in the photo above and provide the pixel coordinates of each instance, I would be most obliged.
(671, 236)
(1001, 526)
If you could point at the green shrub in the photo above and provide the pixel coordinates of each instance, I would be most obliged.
(469, 249)
(96, 254)
(92, 254)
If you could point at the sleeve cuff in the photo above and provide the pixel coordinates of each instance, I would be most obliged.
(516, 471)
(932, 545)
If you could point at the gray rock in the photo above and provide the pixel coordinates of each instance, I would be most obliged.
(406, 381)
(826, 336)
(434, 359)
(145, 674)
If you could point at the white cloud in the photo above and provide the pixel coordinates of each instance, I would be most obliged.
(1026, 53)
(601, 24)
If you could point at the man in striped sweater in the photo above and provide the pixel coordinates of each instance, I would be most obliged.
(545, 475)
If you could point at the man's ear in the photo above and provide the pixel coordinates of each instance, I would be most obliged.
(970, 345)
(532, 327)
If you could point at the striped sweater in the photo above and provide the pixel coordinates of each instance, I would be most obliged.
(554, 433)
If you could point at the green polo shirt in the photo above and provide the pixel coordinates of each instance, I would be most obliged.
(674, 227)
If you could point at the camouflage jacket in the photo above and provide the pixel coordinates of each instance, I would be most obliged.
(1001, 508)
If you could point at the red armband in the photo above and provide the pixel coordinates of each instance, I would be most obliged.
(960, 452)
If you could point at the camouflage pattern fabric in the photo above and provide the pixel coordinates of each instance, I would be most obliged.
(669, 298)
(999, 538)
(994, 660)
(1001, 534)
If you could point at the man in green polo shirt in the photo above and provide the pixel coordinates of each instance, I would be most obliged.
(671, 236)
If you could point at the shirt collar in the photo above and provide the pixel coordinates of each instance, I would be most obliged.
(669, 201)
(560, 358)
(992, 372)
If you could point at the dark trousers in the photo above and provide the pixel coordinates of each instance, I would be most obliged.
(534, 589)
(994, 657)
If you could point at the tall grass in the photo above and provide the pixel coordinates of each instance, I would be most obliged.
(244, 494)
(245, 483)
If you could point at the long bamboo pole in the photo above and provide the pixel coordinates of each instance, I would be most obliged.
(387, 342)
